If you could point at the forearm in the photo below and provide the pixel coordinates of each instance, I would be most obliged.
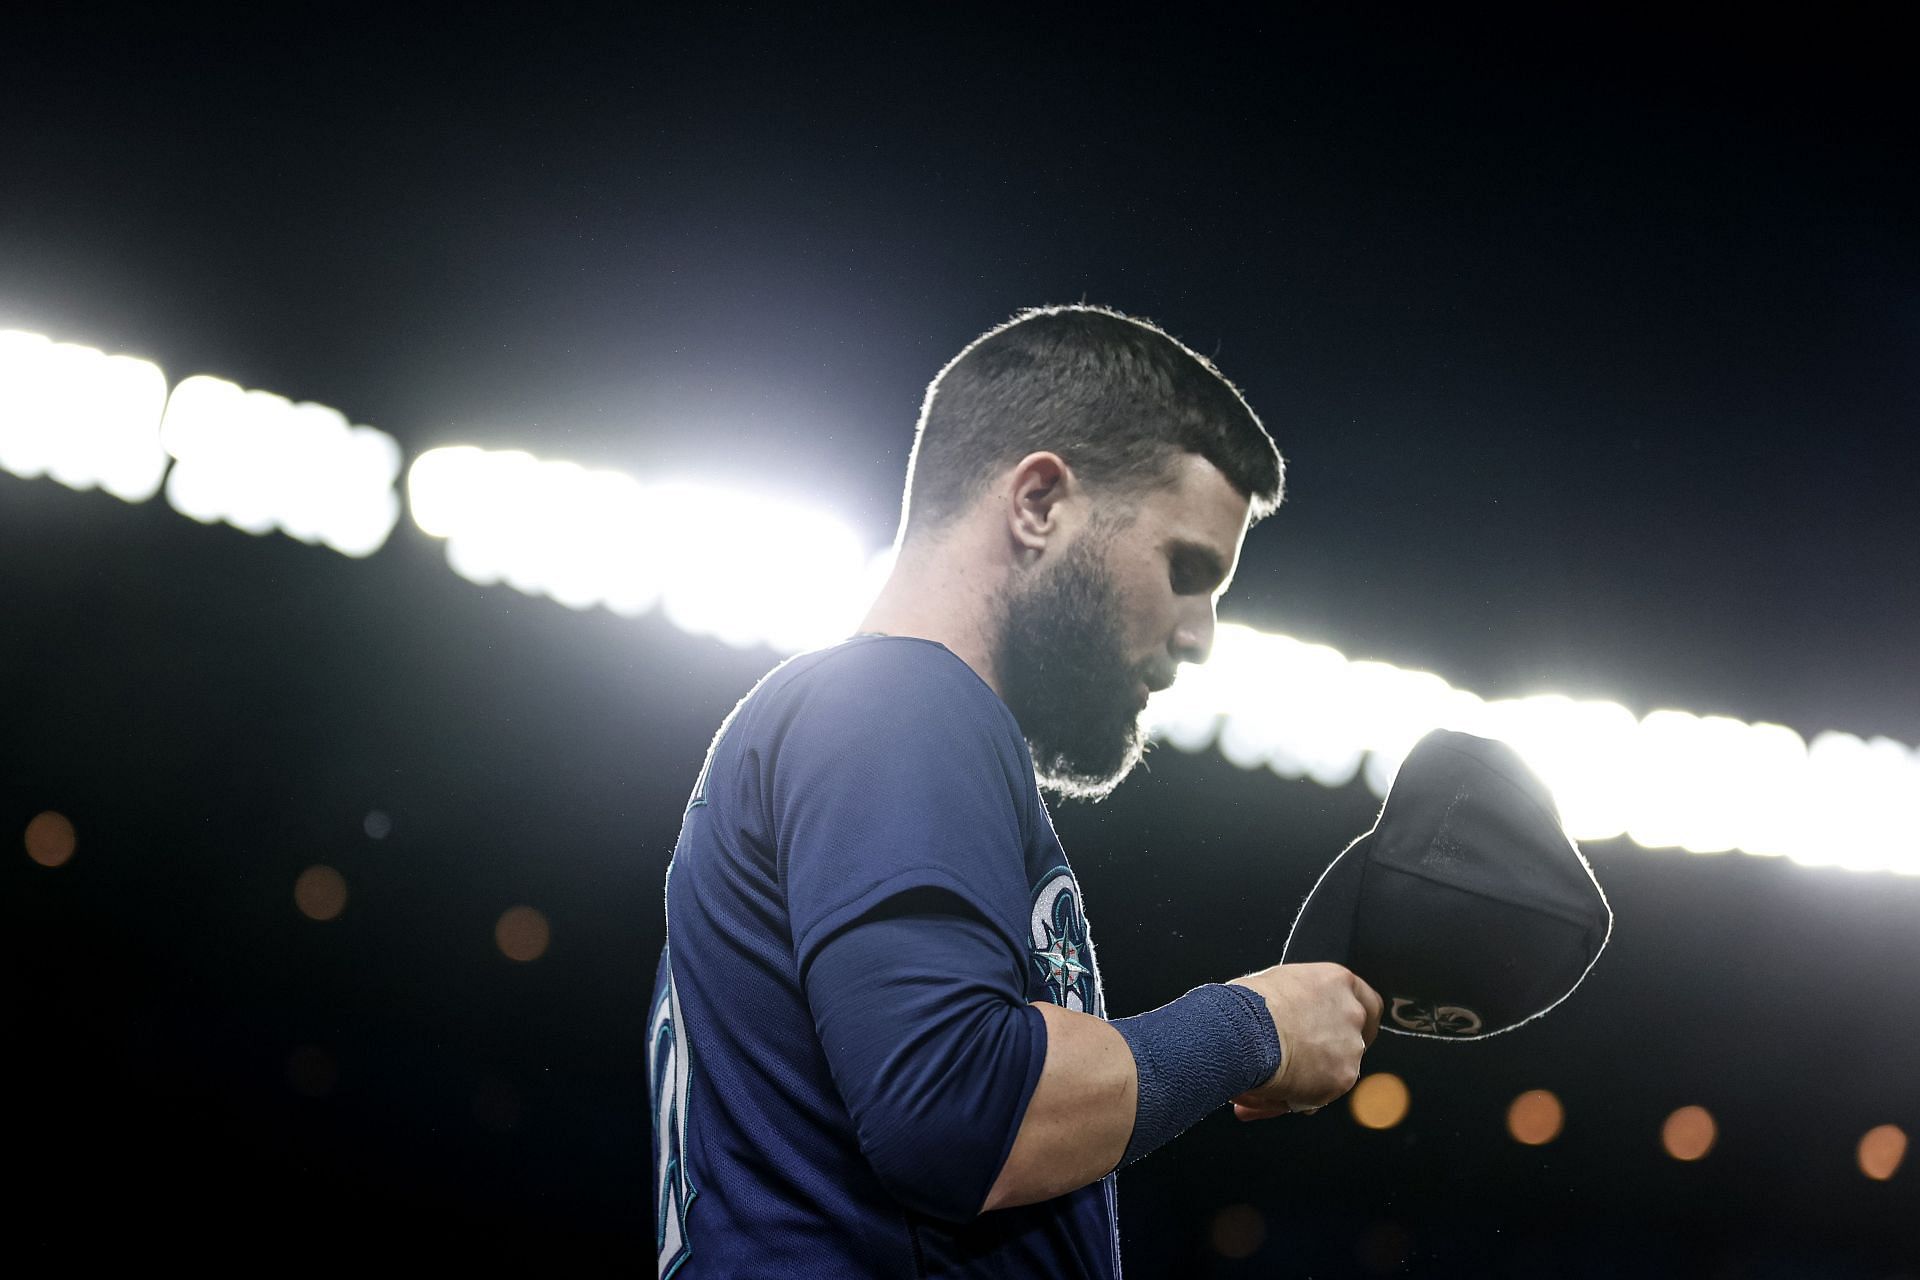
(1080, 1115)
(1112, 1092)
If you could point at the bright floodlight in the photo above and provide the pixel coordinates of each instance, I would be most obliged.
(748, 569)
(83, 418)
(260, 462)
(754, 570)
(742, 568)
(1669, 779)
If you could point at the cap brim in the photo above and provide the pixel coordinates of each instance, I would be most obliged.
(1324, 929)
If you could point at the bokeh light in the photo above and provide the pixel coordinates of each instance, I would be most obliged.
(260, 462)
(377, 824)
(1379, 1101)
(49, 838)
(1669, 779)
(777, 572)
(1535, 1117)
(81, 417)
(790, 575)
(1882, 1148)
(1688, 1133)
(521, 934)
(320, 893)
(312, 1072)
(1238, 1231)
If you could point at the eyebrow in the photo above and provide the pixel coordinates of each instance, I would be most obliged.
(1205, 557)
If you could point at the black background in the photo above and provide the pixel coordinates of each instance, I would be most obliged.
(1590, 342)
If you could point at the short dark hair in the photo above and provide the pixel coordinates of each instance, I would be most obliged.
(1116, 396)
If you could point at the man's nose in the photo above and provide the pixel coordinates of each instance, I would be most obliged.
(1193, 637)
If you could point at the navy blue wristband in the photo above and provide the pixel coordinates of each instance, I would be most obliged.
(1193, 1054)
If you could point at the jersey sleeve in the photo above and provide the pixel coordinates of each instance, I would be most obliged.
(934, 1060)
(898, 770)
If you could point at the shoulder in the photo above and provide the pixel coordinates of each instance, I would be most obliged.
(879, 696)
(899, 674)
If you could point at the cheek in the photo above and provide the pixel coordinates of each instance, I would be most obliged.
(1148, 615)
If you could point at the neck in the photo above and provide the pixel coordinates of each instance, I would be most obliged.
(937, 592)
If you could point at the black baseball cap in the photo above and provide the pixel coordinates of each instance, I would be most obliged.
(1467, 906)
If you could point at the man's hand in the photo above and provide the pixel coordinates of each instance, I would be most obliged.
(1326, 1018)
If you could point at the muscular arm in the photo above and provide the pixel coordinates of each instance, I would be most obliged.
(921, 1014)
(1081, 1114)
(966, 1100)
(928, 1042)
(1109, 1091)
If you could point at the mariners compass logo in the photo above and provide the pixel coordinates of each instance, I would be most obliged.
(1435, 1019)
(1062, 955)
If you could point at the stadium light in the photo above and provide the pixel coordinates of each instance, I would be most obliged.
(1668, 779)
(260, 462)
(752, 570)
(742, 568)
(83, 418)
(253, 459)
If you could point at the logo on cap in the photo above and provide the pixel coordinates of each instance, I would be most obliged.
(1435, 1019)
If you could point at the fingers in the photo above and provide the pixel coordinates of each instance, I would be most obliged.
(1245, 1112)
(1371, 1002)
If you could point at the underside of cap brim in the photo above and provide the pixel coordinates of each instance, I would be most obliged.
(1323, 928)
(1455, 964)
(1331, 925)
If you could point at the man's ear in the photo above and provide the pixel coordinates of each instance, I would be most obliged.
(1038, 500)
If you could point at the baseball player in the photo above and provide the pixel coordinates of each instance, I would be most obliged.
(877, 1042)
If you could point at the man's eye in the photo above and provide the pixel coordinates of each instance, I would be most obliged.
(1193, 573)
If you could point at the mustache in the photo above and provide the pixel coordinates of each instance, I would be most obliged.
(1157, 676)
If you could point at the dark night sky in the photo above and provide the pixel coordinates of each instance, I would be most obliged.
(1592, 349)
(1591, 344)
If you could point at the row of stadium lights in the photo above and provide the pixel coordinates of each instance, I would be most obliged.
(1379, 1101)
(790, 577)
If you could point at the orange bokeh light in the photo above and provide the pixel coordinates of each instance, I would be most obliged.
(1238, 1231)
(320, 893)
(1535, 1117)
(1379, 1101)
(1688, 1133)
(1882, 1148)
(521, 934)
(49, 838)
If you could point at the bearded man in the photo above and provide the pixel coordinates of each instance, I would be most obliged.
(878, 1045)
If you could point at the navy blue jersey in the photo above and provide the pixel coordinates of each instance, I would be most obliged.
(866, 894)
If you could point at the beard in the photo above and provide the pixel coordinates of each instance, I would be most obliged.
(1062, 662)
